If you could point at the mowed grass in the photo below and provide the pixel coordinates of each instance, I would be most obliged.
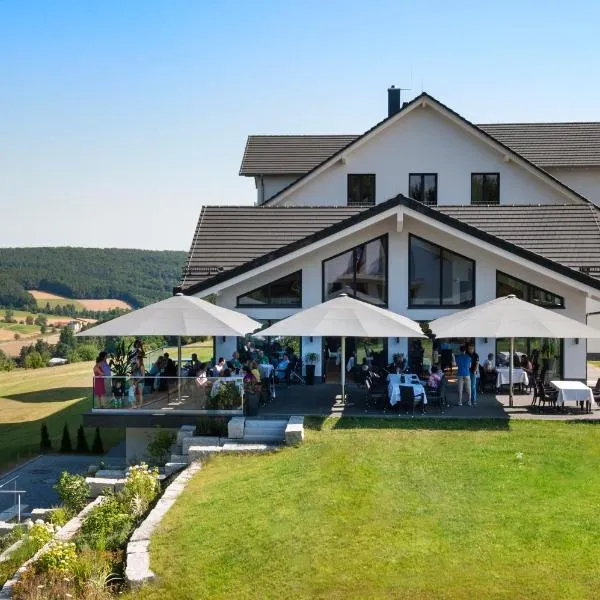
(54, 302)
(56, 396)
(392, 509)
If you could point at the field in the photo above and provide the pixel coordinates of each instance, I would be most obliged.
(204, 350)
(391, 509)
(44, 298)
(55, 396)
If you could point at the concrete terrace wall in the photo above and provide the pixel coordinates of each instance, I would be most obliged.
(425, 141)
(487, 263)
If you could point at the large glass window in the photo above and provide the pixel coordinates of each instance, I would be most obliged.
(360, 272)
(361, 189)
(485, 188)
(506, 284)
(286, 292)
(439, 277)
(423, 187)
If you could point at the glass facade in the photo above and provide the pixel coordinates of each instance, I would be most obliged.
(284, 292)
(439, 277)
(360, 272)
(507, 284)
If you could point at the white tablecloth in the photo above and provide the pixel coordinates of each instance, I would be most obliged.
(572, 391)
(394, 387)
(519, 376)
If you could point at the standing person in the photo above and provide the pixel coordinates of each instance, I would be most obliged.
(463, 379)
(136, 350)
(107, 374)
(473, 371)
(137, 374)
(99, 387)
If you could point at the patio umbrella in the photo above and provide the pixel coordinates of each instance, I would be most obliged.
(510, 317)
(345, 317)
(178, 315)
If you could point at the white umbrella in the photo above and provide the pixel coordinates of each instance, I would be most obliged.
(178, 315)
(345, 317)
(510, 317)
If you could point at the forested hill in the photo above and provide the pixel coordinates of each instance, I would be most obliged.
(137, 277)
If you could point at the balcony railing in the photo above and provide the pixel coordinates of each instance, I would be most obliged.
(203, 395)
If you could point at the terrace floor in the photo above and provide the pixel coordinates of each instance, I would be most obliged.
(323, 400)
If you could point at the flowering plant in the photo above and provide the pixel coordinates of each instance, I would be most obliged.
(60, 556)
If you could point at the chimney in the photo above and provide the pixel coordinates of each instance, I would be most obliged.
(393, 100)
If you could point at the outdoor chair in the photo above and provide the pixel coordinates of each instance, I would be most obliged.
(375, 399)
(296, 373)
(487, 380)
(546, 396)
(408, 399)
(596, 391)
(437, 395)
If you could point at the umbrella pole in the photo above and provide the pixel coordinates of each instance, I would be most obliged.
(343, 367)
(510, 371)
(179, 368)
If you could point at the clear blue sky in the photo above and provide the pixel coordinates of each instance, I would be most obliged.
(119, 119)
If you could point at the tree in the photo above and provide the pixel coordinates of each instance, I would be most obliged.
(45, 442)
(41, 320)
(17, 336)
(33, 360)
(97, 447)
(9, 315)
(66, 342)
(65, 443)
(29, 319)
(82, 445)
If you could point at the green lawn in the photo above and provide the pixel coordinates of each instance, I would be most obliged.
(51, 395)
(204, 350)
(452, 509)
(21, 328)
(54, 302)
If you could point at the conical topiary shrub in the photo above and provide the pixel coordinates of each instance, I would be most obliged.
(82, 445)
(65, 444)
(45, 442)
(97, 447)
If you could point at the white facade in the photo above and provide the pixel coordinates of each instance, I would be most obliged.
(268, 185)
(585, 181)
(398, 224)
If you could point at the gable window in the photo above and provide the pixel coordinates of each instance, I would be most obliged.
(439, 277)
(360, 272)
(507, 284)
(423, 187)
(485, 188)
(361, 190)
(284, 292)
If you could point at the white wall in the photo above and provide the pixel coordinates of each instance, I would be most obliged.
(586, 181)
(485, 285)
(424, 141)
(268, 185)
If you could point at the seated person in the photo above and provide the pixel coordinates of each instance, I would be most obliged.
(262, 358)
(235, 361)
(488, 364)
(219, 367)
(254, 370)
(250, 381)
(281, 368)
(435, 378)
(400, 364)
(225, 373)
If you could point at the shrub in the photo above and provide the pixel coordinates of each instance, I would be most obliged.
(65, 443)
(87, 351)
(82, 445)
(97, 447)
(73, 491)
(159, 446)
(107, 526)
(29, 319)
(40, 534)
(60, 515)
(45, 442)
(33, 360)
(59, 557)
(216, 426)
(141, 488)
(15, 534)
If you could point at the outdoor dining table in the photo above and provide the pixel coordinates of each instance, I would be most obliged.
(503, 375)
(395, 381)
(573, 392)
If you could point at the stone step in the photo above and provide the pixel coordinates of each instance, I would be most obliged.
(268, 436)
(265, 424)
(243, 447)
(173, 467)
(178, 458)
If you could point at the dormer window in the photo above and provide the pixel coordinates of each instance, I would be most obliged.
(361, 189)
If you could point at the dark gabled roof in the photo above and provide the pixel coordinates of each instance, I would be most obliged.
(551, 144)
(289, 154)
(229, 236)
(544, 144)
(424, 96)
(542, 234)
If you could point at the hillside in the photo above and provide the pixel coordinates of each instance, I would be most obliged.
(137, 277)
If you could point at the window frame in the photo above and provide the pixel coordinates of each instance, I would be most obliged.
(442, 249)
(268, 285)
(530, 287)
(373, 175)
(484, 175)
(422, 176)
(385, 239)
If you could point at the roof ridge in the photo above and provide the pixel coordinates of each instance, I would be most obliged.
(521, 123)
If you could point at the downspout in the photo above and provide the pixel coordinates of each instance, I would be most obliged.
(262, 189)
